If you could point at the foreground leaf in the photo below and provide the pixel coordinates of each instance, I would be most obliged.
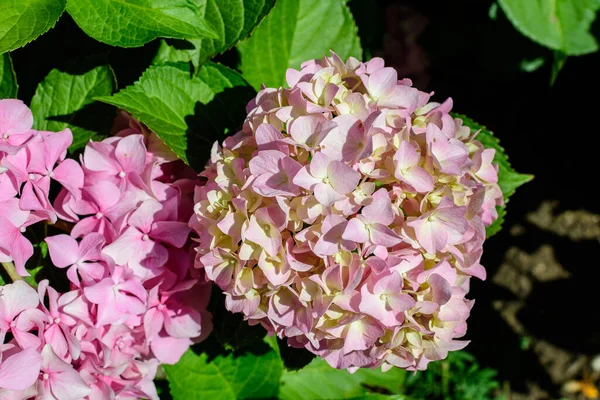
(21, 21)
(251, 374)
(558, 24)
(64, 100)
(320, 381)
(296, 31)
(132, 23)
(508, 179)
(232, 20)
(187, 113)
(8, 79)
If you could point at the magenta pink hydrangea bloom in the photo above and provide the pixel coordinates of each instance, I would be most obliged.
(348, 216)
(134, 301)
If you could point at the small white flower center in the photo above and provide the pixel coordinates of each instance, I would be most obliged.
(145, 237)
(5, 136)
(22, 229)
(99, 215)
(57, 320)
(45, 377)
(31, 177)
(122, 174)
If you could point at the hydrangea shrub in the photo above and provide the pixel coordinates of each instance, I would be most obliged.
(340, 213)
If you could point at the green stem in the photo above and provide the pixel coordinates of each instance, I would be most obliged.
(11, 271)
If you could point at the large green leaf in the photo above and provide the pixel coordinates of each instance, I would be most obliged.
(63, 100)
(249, 374)
(296, 31)
(508, 179)
(232, 20)
(187, 113)
(8, 79)
(319, 381)
(132, 23)
(562, 25)
(21, 21)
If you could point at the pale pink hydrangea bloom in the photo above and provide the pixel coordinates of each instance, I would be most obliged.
(133, 303)
(348, 215)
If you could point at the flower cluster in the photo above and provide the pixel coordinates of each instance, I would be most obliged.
(133, 301)
(348, 215)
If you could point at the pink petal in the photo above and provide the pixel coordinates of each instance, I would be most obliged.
(441, 289)
(63, 249)
(55, 146)
(356, 231)
(131, 153)
(90, 247)
(100, 292)
(15, 298)
(171, 232)
(419, 179)
(53, 336)
(362, 334)
(383, 236)
(153, 322)
(406, 156)
(326, 195)
(343, 178)
(144, 216)
(310, 129)
(264, 234)
(347, 142)
(382, 82)
(185, 323)
(169, 350)
(98, 157)
(104, 193)
(266, 162)
(20, 370)
(318, 165)
(268, 138)
(305, 180)
(402, 97)
(69, 174)
(15, 117)
(380, 210)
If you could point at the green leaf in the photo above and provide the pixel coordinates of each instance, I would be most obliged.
(531, 65)
(558, 63)
(63, 100)
(232, 20)
(31, 279)
(296, 31)
(8, 79)
(187, 113)
(558, 24)
(508, 179)
(21, 21)
(320, 381)
(251, 374)
(132, 23)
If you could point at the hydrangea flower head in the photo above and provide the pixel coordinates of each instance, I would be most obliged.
(133, 302)
(348, 216)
